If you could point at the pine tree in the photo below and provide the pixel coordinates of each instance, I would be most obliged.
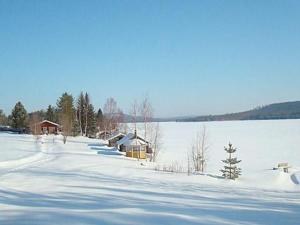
(19, 116)
(231, 171)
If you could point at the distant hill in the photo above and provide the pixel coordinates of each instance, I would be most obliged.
(286, 110)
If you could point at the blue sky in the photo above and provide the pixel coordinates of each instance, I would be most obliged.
(189, 57)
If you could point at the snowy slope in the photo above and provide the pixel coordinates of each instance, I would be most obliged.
(84, 182)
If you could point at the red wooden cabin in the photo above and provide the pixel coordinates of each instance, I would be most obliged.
(48, 127)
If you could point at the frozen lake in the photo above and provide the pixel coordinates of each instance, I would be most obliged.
(261, 145)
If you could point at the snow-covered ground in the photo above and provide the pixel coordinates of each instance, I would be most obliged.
(84, 182)
(25, 148)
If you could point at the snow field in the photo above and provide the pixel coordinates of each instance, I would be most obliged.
(85, 182)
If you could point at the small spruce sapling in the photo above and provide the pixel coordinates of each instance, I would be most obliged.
(231, 171)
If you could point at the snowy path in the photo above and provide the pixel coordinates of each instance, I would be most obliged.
(43, 154)
(79, 183)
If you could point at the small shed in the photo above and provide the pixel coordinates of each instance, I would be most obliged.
(48, 127)
(134, 146)
(112, 141)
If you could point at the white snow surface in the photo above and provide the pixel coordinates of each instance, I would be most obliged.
(16, 148)
(85, 182)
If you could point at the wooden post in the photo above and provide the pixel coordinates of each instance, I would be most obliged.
(140, 151)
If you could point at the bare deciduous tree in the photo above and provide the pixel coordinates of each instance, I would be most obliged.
(134, 113)
(110, 110)
(34, 124)
(118, 122)
(67, 125)
(113, 116)
(199, 151)
(146, 111)
(156, 143)
(188, 165)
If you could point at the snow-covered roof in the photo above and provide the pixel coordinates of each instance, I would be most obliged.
(47, 121)
(116, 135)
(135, 141)
(125, 139)
(132, 139)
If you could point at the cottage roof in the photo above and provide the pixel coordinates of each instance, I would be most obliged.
(135, 141)
(125, 139)
(132, 139)
(116, 135)
(47, 121)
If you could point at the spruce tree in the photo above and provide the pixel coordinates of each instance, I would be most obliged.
(91, 128)
(86, 112)
(80, 112)
(66, 111)
(76, 128)
(50, 114)
(231, 171)
(65, 105)
(99, 119)
(19, 116)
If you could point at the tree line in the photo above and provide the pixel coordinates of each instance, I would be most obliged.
(77, 116)
(285, 110)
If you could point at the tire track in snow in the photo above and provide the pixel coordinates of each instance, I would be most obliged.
(44, 155)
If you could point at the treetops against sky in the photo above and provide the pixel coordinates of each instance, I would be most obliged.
(191, 57)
